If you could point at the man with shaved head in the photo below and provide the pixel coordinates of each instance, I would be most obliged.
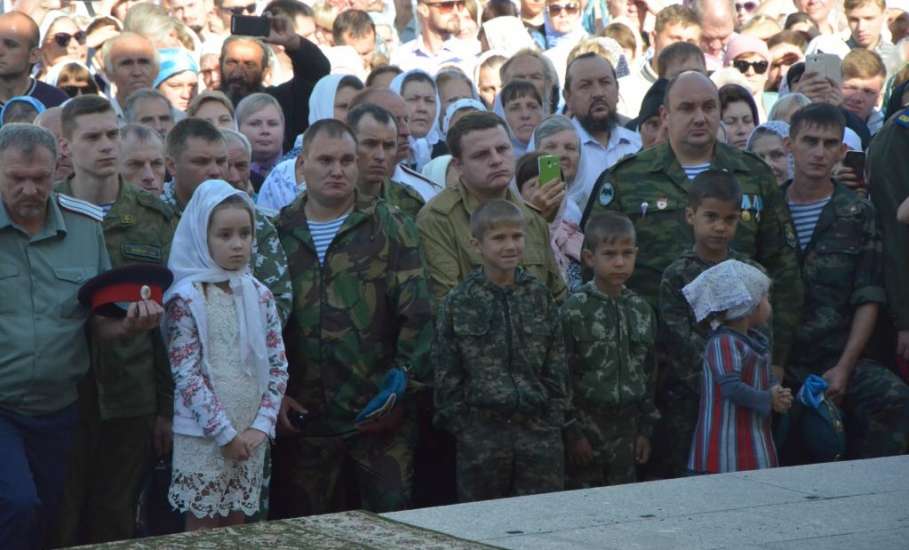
(651, 188)
(19, 51)
(717, 18)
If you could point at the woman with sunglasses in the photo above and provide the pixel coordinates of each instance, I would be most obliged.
(562, 23)
(63, 39)
(750, 56)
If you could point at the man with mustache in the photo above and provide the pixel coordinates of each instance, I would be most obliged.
(244, 66)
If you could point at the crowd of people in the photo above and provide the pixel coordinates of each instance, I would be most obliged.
(437, 251)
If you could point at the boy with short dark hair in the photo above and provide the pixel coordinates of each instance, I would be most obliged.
(715, 205)
(609, 339)
(500, 377)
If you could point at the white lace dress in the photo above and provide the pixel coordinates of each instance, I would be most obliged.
(204, 482)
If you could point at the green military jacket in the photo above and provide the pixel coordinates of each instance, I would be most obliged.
(651, 188)
(609, 344)
(888, 169)
(682, 340)
(404, 197)
(43, 348)
(841, 269)
(366, 310)
(444, 226)
(133, 376)
(499, 349)
(269, 262)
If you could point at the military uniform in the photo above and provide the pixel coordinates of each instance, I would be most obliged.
(841, 269)
(402, 196)
(365, 310)
(612, 365)
(501, 386)
(652, 189)
(43, 354)
(681, 345)
(269, 262)
(445, 236)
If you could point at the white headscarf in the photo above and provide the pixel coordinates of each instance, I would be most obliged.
(322, 98)
(190, 261)
(733, 287)
(421, 147)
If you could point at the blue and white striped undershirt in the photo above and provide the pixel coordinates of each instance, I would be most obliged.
(323, 233)
(805, 217)
(693, 170)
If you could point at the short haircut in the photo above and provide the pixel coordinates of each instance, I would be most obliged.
(823, 115)
(733, 93)
(554, 124)
(206, 96)
(350, 81)
(19, 111)
(517, 89)
(675, 14)
(494, 214)
(253, 103)
(677, 53)
(849, 5)
(382, 116)
(526, 168)
(26, 138)
(132, 102)
(667, 97)
(863, 64)
(34, 32)
(586, 55)
(719, 185)
(233, 136)
(129, 37)
(190, 128)
(141, 133)
(795, 38)
(79, 106)
(607, 228)
(329, 126)
(471, 122)
(380, 70)
(498, 8)
(621, 33)
(356, 22)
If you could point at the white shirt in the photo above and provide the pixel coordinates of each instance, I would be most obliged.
(633, 88)
(595, 158)
(413, 55)
(416, 181)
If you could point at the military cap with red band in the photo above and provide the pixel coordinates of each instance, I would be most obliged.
(110, 293)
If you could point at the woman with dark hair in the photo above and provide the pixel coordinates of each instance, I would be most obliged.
(520, 105)
(739, 114)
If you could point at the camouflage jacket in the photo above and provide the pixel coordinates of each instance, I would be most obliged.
(445, 236)
(404, 197)
(365, 310)
(609, 344)
(888, 171)
(681, 341)
(133, 375)
(499, 349)
(268, 259)
(841, 269)
(652, 189)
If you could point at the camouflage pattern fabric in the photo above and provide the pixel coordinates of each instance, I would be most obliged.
(366, 310)
(269, 262)
(329, 532)
(652, 189)
(612, 439)
(672, 436)
(446, 240)
(877, 412)
(612, 366)
(403, 197)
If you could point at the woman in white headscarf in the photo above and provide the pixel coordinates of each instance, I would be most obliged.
(418, 89)
(225, 348)
(770, 142)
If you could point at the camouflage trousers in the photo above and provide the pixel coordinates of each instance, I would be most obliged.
(507, 455)
(321, 475)
(612, 436)
(876, 416)
(672, 436)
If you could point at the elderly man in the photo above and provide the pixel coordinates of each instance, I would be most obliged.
(20, 50)
(50, 245)
(50, 121)
(130, 63)
(151, 108)
(142, 158)
(239, 161)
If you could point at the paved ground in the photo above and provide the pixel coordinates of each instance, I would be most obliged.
(839, 506)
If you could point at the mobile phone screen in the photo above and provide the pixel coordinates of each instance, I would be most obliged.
(249, 25)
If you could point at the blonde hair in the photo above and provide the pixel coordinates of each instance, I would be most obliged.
(206, 96)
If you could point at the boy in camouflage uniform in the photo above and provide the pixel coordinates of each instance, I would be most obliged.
(500, 378)
(713, 213)
(609, 340)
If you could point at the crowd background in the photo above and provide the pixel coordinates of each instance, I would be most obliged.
(364, 231)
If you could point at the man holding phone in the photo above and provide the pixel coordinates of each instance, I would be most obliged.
(244, 65)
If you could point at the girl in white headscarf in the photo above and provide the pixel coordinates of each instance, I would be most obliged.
(226, 353)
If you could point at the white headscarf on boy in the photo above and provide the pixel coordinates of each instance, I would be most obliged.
(191, 262)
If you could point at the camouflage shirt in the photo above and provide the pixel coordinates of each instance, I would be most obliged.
(841, 269)
(364, 311)
(652, 189)
(268, 259)
(682, 341)
(404, 197)
(499, 349)
(133, 375)
(609, 344)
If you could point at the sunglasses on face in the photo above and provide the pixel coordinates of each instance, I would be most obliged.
(79, 89)
(62, 38)
(760, 67)
(747, 6)
(446, 6)
(240, 10)
(569, 9)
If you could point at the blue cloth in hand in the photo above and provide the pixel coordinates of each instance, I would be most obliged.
(393, 387)
(812, 392)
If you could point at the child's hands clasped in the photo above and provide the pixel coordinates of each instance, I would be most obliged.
(242, 446)
(780, 398)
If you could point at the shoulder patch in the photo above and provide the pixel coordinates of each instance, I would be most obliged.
(902, 119)
(607, 193)
(79, 206)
